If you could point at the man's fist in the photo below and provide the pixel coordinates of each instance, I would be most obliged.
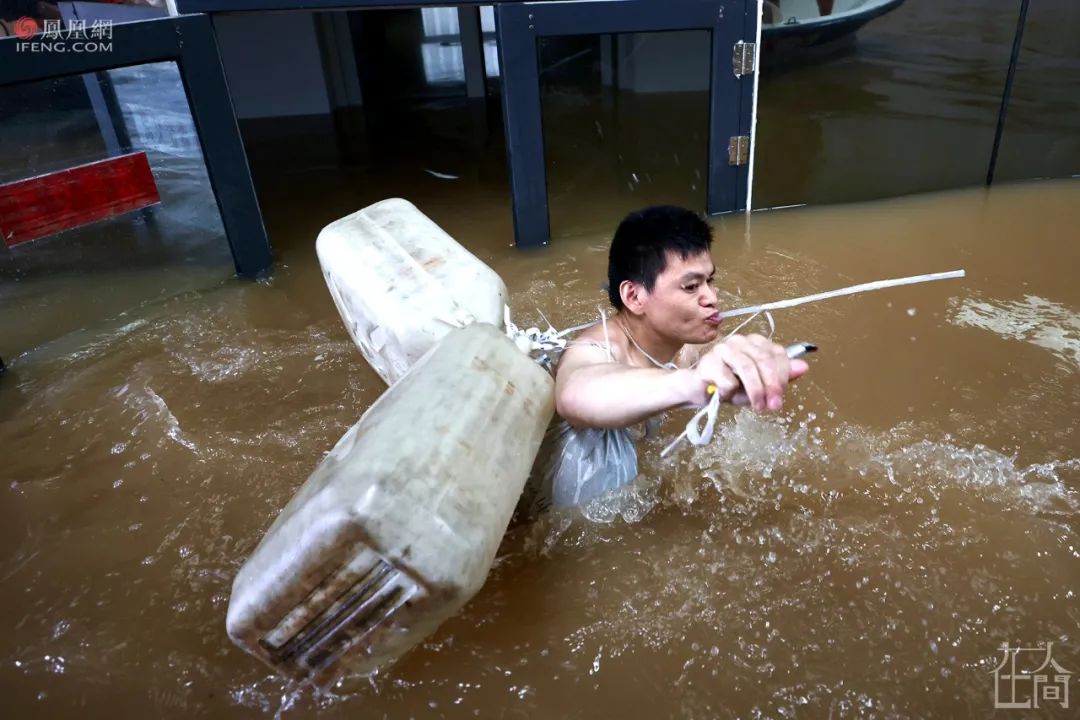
(748, 370)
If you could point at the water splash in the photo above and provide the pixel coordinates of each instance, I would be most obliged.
(151, 411)
(1033, 320)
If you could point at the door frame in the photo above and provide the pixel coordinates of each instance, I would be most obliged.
(188, 41)
(520, 26)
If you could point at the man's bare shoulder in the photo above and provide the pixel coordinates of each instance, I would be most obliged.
(590, 346)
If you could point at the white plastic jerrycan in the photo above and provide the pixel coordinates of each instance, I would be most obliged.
(401, 283)
(398, 526)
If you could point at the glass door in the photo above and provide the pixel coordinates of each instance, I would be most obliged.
(610, 105)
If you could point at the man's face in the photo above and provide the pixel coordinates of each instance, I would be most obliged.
(682, 304)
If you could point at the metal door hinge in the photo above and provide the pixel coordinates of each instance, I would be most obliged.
(738, 150)
(742, 60)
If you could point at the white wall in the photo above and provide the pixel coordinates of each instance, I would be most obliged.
(272, 63)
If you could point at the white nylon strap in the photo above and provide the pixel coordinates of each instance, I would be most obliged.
(698, 435)
(864, 287)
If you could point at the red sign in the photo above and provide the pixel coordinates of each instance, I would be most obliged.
(37, 207)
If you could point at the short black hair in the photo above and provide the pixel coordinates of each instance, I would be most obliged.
(643, 239)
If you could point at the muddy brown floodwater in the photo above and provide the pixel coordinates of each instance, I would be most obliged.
(864, 553)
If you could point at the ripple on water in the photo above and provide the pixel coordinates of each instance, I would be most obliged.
(1033, 320)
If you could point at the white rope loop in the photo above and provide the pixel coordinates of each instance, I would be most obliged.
(698, 435)
(531, 339)
(539, 344)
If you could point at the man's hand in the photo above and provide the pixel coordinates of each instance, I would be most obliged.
(747, 370)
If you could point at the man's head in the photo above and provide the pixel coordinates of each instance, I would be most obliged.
(659, 269)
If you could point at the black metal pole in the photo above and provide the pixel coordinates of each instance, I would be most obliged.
(1008, 90)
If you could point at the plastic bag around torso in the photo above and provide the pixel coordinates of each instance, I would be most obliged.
(576, 465)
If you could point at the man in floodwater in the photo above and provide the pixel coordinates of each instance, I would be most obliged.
(656, 353)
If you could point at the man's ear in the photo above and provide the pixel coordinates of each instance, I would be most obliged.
(634, 295)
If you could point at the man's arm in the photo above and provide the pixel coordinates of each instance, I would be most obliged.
(591, 391)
